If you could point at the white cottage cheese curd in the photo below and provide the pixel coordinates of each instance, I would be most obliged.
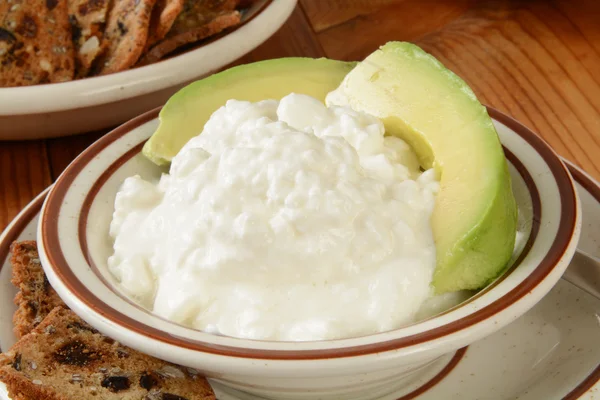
(281, 221)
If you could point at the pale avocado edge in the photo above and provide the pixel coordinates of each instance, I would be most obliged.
(244, 71)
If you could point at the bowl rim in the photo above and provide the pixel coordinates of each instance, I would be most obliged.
(142, 80)
(56, 261)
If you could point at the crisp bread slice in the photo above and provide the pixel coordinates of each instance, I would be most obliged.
(66, 359)
(36, 298)
(126, 32)
(172, 43)
(197, 13)
(35, 42)
(163, 17)
(88, 20)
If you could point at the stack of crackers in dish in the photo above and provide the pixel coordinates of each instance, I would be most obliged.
(49, 41)
(60, 357)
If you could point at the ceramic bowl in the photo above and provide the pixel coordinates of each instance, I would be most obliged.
(62, 109)
(74, 246)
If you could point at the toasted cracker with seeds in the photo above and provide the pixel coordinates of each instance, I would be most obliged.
(174, 41)
(126, 32)
(163, 17)
(66, 359)
(35, 42)
(197, 13)
(36, 298)
(88, 20)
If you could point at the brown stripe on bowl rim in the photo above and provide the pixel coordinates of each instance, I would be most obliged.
(57, 261)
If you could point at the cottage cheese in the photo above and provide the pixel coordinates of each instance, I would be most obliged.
(282, 220)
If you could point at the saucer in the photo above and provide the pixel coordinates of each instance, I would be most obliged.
(549, 353)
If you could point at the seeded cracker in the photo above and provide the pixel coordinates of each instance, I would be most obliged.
(199, 12)
(36, 298)
(66, 359)
(198, 20)
(163, 16)
(127, 33)
(35, 42)
(88, 19)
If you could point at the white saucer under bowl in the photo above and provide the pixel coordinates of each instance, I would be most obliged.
(549, 353)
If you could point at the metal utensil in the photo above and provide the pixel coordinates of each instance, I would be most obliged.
(584, 272)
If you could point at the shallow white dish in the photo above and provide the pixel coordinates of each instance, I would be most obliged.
(549, 353)
(74, 245)
(61, 109)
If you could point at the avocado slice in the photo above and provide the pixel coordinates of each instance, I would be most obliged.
(432, 109)
(186, 112)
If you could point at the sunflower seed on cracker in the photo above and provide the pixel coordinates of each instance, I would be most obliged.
(88, 19)
(30, 31)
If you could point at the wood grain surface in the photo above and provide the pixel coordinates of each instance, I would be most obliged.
(536, 60)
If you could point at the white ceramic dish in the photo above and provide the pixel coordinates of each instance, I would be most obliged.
(61, 109)
(74, 246)
(549, 353)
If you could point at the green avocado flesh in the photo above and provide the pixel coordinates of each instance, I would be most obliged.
(186, 112)
(419, 100)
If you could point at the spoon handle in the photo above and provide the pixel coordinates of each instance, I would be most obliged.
(584, 272)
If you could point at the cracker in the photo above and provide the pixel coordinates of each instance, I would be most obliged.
(197, 13)
(66, 359)
(88, 19)
(163, 17)
(35, 42)
(171, 43)
(36, 298)
(127, 33)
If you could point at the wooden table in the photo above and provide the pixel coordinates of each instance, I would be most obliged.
(537, 60)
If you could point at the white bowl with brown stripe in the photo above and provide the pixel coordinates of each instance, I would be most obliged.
(84, 105)
(74, 246)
